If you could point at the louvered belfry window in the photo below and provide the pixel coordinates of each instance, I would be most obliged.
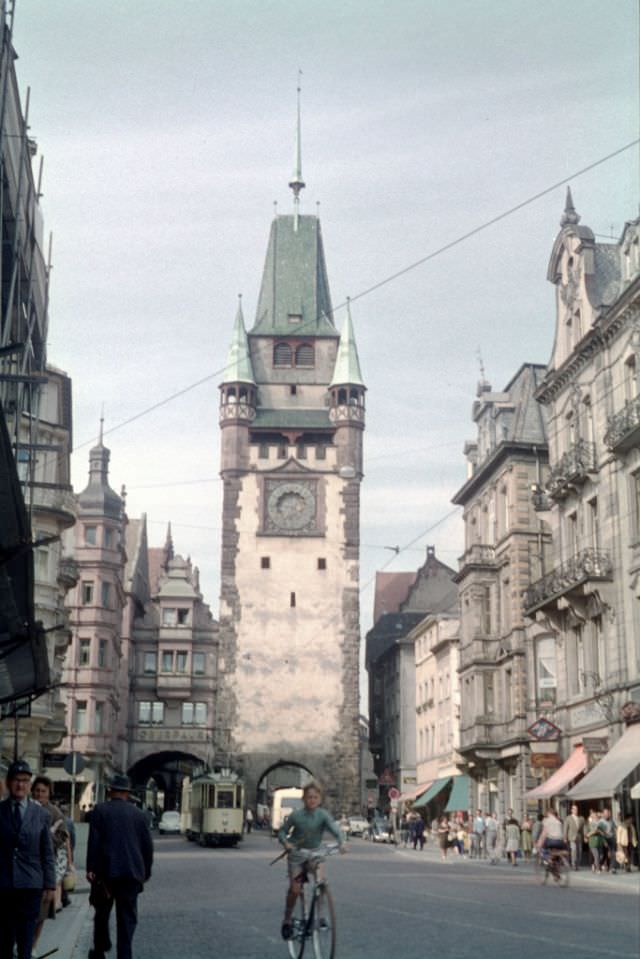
(282, 354)
(304, 355)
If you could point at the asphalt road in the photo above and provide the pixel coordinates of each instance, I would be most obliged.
(206, 903)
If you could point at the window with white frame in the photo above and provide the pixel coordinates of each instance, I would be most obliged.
(98, 725)
(198, 664)
(84, 652)
(80, 724)
(546, 669)
(150, 664)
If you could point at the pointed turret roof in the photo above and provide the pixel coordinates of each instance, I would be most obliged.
(98, 498)
(239, 368)
(347, 368)
(569, 216)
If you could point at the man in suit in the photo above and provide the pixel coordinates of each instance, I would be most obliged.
(119, 859)
(27, 864)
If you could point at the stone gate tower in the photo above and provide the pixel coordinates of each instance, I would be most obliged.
(292, 419)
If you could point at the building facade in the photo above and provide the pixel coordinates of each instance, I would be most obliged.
(505, 543)
(35, 401)
(391, 665)
(586, 602)
(436, 642)
(292, 416)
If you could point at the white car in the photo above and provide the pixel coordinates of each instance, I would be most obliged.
(170, 822)
(358, 826)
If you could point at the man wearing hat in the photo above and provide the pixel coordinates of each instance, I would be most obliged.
(27, 864)
(119, 858)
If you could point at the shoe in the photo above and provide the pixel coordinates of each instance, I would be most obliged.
(286, 929)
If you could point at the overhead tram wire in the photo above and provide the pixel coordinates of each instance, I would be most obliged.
(394, 276)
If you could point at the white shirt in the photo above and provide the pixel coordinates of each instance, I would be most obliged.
(552, 828)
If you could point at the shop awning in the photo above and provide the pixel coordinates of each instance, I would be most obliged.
(431, 793)
(414, 793)
(459, 798)
(560, 779)
(604, 779)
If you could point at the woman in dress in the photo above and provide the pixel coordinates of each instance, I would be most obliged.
(512, 835)
(526, 842)
(41, 790)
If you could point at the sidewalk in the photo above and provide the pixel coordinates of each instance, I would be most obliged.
(625, 883)
(63, 932)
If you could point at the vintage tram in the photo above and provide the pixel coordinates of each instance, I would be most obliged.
(213, 808)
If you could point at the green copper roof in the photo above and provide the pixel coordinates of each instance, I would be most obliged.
(294, 281)
(239, 368)
(292, 419)
(347, 368)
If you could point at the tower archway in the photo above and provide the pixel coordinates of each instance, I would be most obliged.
(157, 778)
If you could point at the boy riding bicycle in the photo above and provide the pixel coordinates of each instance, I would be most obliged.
(303, 830)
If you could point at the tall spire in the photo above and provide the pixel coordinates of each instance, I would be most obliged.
(101, 433)
(569, 217)
(296, 182)
(347, 368)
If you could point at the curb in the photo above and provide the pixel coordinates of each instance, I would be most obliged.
(64, 931)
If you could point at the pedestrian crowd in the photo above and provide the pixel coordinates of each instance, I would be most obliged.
(596, 840)
(37, 872)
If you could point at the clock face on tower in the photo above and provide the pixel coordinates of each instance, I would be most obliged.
(290, 507)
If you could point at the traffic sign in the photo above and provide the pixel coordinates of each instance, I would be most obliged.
(73, 767)
(393, 793)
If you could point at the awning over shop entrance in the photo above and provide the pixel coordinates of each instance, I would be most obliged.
(605, 778)
(414, 793)
(560, 779)
(431, 793)
(459, 798)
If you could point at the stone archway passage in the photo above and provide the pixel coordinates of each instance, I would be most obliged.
(167, 770)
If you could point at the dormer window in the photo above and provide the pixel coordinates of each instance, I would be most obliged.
(294, 317)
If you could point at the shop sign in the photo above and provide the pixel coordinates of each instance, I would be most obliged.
(543, 729)
(595, 744)
(545, 760)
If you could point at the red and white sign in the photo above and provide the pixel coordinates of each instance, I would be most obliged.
(393, 793)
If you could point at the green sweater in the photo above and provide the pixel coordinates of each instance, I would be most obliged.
(304, 829)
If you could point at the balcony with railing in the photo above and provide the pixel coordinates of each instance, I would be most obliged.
(623, 428)
(572, 470)
(574, 576)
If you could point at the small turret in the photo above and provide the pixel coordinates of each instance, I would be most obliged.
(347, 388)
(238, 391)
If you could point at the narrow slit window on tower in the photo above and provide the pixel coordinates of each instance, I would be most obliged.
(292, 600)
(321, 452)
(322, 563)
(263, 451)
(282, 451)
(301, 451)
(293, 389)
(265, 562)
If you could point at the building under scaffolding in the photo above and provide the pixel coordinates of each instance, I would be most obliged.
(36, 500)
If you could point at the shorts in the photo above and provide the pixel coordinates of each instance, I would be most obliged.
(295, 862)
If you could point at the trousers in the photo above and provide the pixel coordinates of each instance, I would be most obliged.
(19, 910)
(124, 894)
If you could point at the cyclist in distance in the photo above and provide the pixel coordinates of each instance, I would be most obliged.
(302, 830)
(552, 835)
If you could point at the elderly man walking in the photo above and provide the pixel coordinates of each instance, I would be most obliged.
(27, 865)
(119, 859)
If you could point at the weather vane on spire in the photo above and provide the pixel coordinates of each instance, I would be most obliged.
(296, 182)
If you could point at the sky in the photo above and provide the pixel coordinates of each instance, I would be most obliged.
(167, 130)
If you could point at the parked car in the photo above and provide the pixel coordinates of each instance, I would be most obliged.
(169, 822)
(358, 826)
(380, 831)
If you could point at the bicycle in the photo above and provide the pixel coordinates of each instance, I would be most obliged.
(314, 915)
(552, 863)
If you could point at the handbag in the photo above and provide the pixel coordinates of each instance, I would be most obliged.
(69, 880)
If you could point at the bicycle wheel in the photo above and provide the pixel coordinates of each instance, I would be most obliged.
(561, 872)
(324, 923)
(299, 924)
(541, 870)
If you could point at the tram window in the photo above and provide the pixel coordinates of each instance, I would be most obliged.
(238, 797)
(225, 799)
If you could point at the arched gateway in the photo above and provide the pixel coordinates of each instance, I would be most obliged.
(292, 421)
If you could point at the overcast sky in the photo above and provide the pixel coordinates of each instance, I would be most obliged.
(167, 132)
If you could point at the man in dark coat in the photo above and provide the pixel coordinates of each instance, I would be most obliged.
(119, 858)
(27, 864)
